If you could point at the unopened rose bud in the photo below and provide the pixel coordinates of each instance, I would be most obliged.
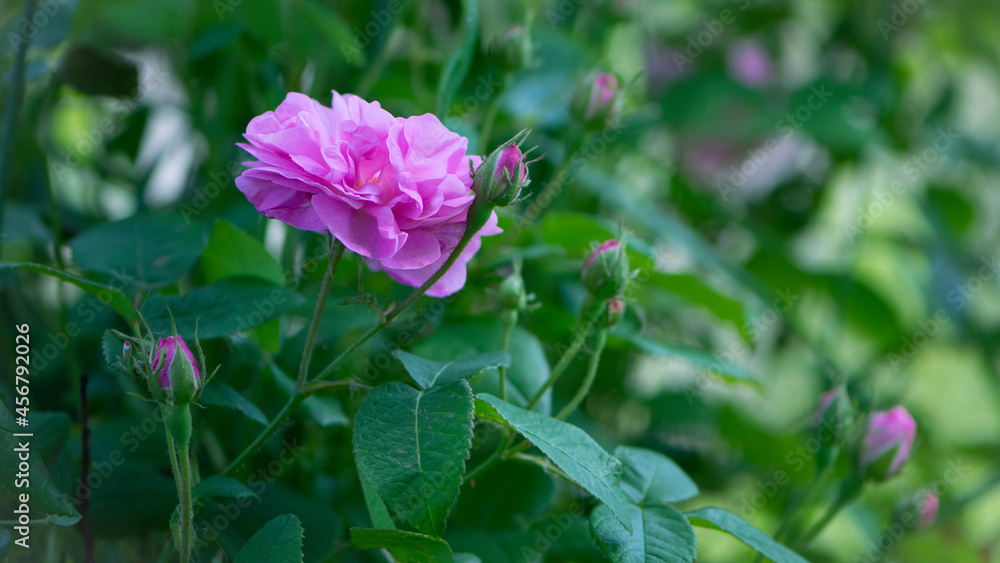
(501, 177)
(886, 445)
(511, 293)
(606, 272)
(595, 102)
(176, 371)
(614, 311)
(126, 351)
(928, 509)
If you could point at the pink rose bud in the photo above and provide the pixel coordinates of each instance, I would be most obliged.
(177, 371)
(886, 445)
(614, 312)
(126, 350)
(501, 177)
(606, 272)
(602, 95)
(929, 509)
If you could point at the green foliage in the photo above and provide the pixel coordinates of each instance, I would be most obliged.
(325, 410)
(46, 498)
(405, 547)
(412, 445)
(651, 478)
(233, 253)
(718, 519)
(107, 294)
(279, 541)
(152, 250)
(659, 534)
(458, 64)
(430, 374)
(221, 308)
(570, 448)
(218, 486)
(219, 394)
(528, 367)
(704, 362)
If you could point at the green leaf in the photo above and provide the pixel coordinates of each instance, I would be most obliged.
(458, 64)
(430, 374)
(325, 410)
(405, 547)
(725, 521)
(155, 250)
(233, 253)
(413, 446)
(221, 395)
(570, 448)
(659, 534)
(376, 507)
(46, 498)
(279, 541)
(107, 294)
(727, 370)
(218, 486)
(651, 477)
(224, 307)
(528, 366)
(111, 348)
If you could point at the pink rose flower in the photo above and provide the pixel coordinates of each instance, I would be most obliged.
(889, 432)
(395, 191)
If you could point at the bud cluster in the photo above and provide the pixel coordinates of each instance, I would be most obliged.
(606, 275)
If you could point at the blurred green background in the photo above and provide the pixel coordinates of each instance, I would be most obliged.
(810, 188)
